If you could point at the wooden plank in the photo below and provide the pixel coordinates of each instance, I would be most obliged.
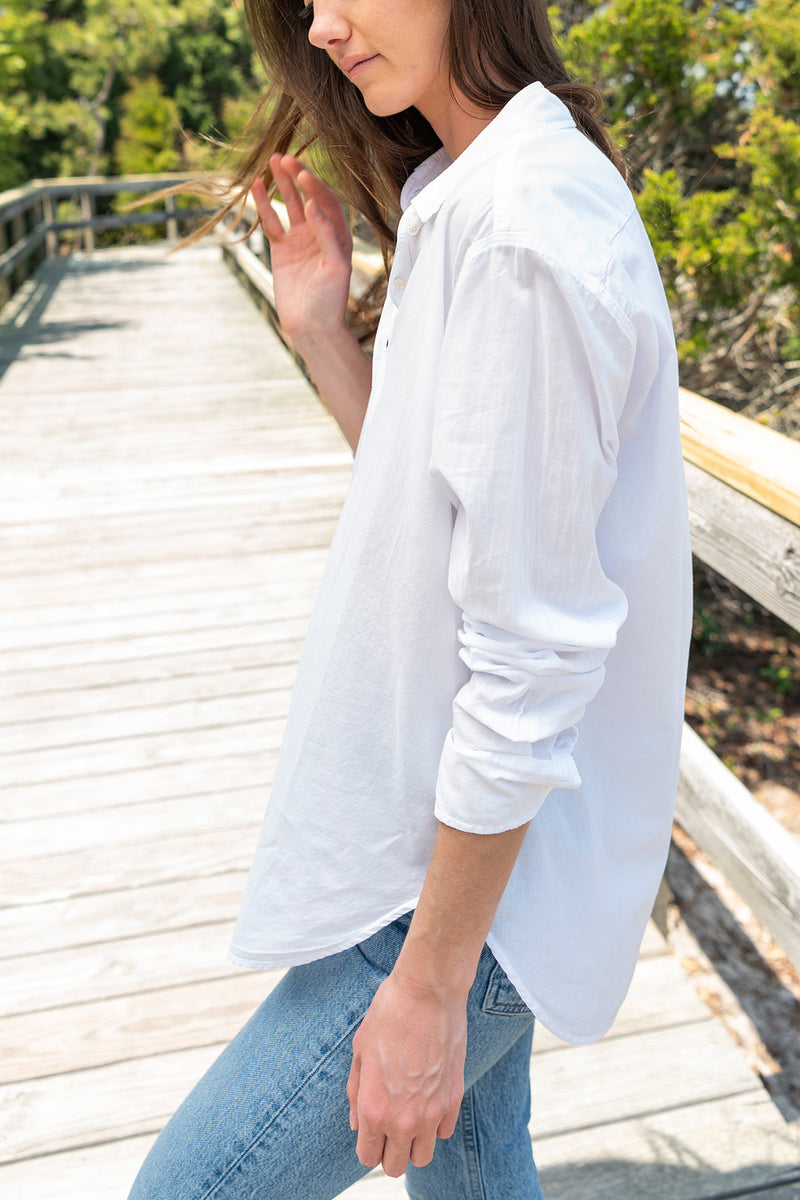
(297, 493)
(757, 461)
(243, 761)
(118, 755)
(756, 854)
(277, 598)
(96, 687)
(26, 840)
(135, 533)
(745, 542)
(104, 1172)
(58, 877)
(678, 1171)
(706, 1151)
(105, 581)
(103, 1031)
(35, 929)
(130, 966)
(175, 717)
(217, 543)
(44, 1116)
(287, 623)
(693, 1063)
(34, 708)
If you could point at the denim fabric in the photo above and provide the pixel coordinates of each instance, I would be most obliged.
(270, 1119)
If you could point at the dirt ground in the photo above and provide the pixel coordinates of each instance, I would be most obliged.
(743, 697)
(743, 693)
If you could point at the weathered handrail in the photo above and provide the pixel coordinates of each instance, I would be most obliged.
(31, 228)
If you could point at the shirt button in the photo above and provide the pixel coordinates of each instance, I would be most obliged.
(401, 283)
(413, 229)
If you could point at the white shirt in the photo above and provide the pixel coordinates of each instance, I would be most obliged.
(501, 631)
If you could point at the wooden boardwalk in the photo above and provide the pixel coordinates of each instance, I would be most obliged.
(168, 487)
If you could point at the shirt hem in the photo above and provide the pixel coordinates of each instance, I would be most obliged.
(298, 958)
(270, 961)
(542, 1013)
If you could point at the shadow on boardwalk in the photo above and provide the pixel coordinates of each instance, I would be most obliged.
(613, 1179)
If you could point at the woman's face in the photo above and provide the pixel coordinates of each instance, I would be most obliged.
(393, 51)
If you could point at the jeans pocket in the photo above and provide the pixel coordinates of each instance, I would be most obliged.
(502, 997)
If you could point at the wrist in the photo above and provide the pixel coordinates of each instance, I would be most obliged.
(323, 340)
(442, 972)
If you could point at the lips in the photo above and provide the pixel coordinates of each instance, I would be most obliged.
(352, 64)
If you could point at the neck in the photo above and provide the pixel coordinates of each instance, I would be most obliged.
(454, 120)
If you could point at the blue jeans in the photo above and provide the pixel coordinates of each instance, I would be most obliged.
(270, 1119)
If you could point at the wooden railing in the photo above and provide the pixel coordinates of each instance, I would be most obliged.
(744, 503)
(744, 498)
(33, 227)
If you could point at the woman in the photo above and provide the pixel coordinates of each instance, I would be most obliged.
(472, 806)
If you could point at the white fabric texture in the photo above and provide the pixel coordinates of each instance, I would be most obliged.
(501, 630)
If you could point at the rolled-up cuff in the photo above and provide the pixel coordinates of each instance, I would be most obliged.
(480, 791)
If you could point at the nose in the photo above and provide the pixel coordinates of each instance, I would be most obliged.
(329, 25)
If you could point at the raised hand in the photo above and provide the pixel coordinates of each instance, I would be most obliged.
(311, 259)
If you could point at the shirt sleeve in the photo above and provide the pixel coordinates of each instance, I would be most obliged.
(532, 378)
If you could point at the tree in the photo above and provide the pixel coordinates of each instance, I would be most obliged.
(705, 98)
(67, 65)
(148, 140)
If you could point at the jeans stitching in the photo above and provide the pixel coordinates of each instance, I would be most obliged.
(471, 1155)
(492, 1003)
(206, 1195)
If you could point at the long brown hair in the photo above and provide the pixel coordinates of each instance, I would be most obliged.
(494, 47)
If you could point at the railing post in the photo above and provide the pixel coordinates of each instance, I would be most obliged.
(50, 237)
(87, 214)
(5, 286)
(20, 273)
(172, 222)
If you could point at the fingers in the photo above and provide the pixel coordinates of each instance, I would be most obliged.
(422, 1150)
(307, 200)
(313, 188)
(293, 201)
(352, 1092)
(329, 243)
(371, 1149)
(270, 220)
(447, 1125)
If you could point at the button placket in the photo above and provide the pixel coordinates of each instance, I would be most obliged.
(405, 253)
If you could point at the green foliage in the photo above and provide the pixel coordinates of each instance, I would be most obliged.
(707, 632)
(704, 97)
(784, 678)
(74, 72)
(148, 140)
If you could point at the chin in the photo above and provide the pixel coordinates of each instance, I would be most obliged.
(383, 108)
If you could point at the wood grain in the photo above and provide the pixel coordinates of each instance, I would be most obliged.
(754, 460)
(756, 854)
(745, 542)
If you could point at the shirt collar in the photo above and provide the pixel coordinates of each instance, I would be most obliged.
(533, 108)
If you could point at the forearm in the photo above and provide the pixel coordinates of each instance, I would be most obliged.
(343, 374)
(466, 878)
